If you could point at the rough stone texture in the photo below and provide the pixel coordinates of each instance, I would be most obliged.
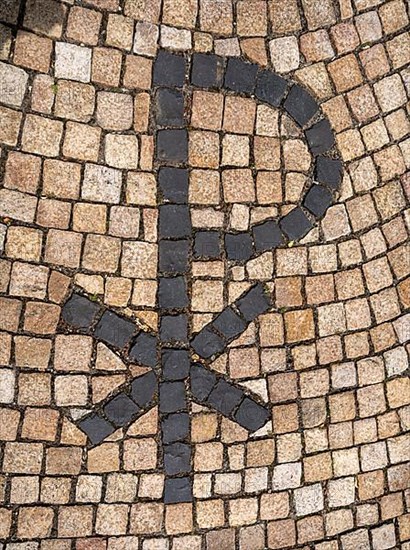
(284, 54)
(295, 310)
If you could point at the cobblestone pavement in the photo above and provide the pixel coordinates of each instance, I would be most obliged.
(204, 275)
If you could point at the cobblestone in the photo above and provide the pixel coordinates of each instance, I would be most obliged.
(204, 274)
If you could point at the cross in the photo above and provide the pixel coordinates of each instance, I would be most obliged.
(176, 376)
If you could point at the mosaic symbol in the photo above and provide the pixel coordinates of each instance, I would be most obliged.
(176, 378)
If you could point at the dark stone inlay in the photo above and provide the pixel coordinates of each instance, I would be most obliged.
(240, 76)
(178, 489)
(169, 107)
(239, 247)
(96, 428)
(169, 69)
(202, 382)
(173, 183)
(296, 224)
(329, 171)
(80, 312)
(225, 397)
(207, 70)
(175, 427)
(206, 343)
(300, 105)
(253, 303)
(318, 200)
(270, 88)
(172, 146)
(229, 324)
(177, 459)
(144, 350)
(251, 415)
(114, 330)
(207, 244)
(174, 328)
(320, 137)
(172, 293)
(267, 236)
(144, 388)
(175, 364)
(172, 397)
(174, 221)
(120, 410)
(175, 246)
(174, 256)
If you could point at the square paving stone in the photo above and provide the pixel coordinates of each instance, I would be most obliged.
(120, 410)
(296, 224)
(224, 539)
(174, 183)
(270, 88)
(169, 108)
(175, 364)
(177, 459)
(169, 69)
(207, 70)
(144, 350)
(300, 105)
(172, 293)
(206, 343)
(80, 312)
(172, 397)
(174, 221)
(225, 397)
(240, 76)
(178, 489)
(174, 256)
(253, 303)
(174, 328)
(9, 11)
(143, 389)
(267, 236)
(202, 382)
(251, 415)
(329, 171)
(317, 200)
(239, 247)
(96, 428)
(229, 324)
(320, 137)
(114, 330)
(172, 146)
(207, 244)
(175, 427)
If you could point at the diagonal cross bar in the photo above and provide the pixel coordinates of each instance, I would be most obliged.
(177, 381)
(84, 315)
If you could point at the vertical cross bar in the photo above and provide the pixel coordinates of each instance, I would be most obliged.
(175, 244)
